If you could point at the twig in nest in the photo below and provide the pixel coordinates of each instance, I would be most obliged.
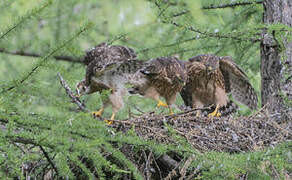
(183, 170)
(259, 111)
(75, 99)
(147, 164)
(174, 163)
(159, 171)
(187, 112)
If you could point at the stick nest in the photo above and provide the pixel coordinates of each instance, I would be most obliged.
(225, 134)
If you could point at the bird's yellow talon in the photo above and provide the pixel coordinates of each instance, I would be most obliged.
(161, 103)
(170, 112)
(109, 122)
(98, 113)
(215, 113)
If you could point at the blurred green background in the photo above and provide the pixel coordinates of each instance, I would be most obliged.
(146, 26)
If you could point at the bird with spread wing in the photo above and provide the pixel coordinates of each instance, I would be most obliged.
(211, 78)
(109, 68)
(112, 67)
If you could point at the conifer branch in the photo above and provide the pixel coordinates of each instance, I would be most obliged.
(212, 6)
(24, 140)
(180, 13)
(58, 48)
(23, 19)
(214, 35)
(166, 45)
(49, 160)
(31, 54)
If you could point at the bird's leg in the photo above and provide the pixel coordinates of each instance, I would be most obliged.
(170, 111)
(161, 103)
(215, 113)
(109, 122)
(170, 100)
(98, 113)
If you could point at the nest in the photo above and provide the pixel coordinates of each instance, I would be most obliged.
(225, 134)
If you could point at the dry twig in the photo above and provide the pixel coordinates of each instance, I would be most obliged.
(75, 99)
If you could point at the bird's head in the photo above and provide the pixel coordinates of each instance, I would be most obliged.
(211, 65)
(81, 88)
(181, 78)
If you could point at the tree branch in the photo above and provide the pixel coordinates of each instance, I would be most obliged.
(214, 35)
(75, 99)
(212, 6)
(51, 53)
(49, 160)
(180, 13)
(30, 54)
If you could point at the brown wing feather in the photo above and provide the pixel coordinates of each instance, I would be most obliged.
(203, 58)
(237, 83)
(109, 53)
(103, 56)
(91, 68)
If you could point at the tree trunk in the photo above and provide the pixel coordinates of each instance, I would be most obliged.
(275, 68)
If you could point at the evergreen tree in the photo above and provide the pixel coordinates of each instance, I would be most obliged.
(44, 135)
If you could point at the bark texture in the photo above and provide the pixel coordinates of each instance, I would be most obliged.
(276, 70)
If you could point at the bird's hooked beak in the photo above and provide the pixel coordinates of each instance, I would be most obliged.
(180, 80)
(209, 69)
(78, 95)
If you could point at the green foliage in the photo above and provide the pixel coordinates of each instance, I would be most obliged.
(259, 165)
(46, 57)
(37, 117)
(24, 18)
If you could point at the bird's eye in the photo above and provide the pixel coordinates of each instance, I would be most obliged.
(83, 88)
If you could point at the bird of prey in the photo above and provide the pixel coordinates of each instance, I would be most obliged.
(211, 78)
(165, 77)
(109, 68)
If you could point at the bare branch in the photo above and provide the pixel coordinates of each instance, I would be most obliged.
(168, 161)
(30, 54)
(212, 6)
(75, 99)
